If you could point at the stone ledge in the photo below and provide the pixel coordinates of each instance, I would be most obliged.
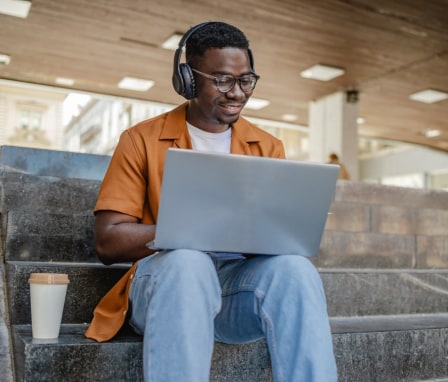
(75, 358)
(55, 163)
(365, 291)
(5, 350)
(374, 349)
(368, 193)
(388, 323)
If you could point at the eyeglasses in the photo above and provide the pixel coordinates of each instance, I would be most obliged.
(226, 82)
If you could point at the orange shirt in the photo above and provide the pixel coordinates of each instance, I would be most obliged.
(132, 185)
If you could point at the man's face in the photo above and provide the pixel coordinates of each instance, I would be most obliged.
(212, 110)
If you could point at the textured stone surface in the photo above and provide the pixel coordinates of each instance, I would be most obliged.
(49, 237)
(394, 220)
(373, 355)
(5, 350)
(366, 250)
(53, 163)
(432, 251)
(388, 323)
(392, 356)
(349, 292)
(75, 358)
(432, 222)
(88, 283)
(345, 216)
(380, 194)
(360, 293)
(47, 216)
(24, 192)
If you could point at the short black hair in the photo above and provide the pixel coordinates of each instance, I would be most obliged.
(214, 35)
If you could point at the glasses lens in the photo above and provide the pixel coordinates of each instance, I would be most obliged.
(248, 83)
(225, 83)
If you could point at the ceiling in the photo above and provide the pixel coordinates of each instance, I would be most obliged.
(389, 50)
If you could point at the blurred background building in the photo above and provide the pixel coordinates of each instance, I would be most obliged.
(365, 79)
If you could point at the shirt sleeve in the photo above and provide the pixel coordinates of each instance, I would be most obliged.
(124, 185)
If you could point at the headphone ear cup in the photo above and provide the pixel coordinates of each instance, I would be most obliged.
(188, 81)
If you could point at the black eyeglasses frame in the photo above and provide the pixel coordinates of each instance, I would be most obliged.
(253, 76)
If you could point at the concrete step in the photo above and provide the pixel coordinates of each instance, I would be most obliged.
(391, 348)
(388, 324)
(349, 292)
(33, 193)
(64, 164)
(68, 236)
(370, 226)
(49, 237)
(381, 348)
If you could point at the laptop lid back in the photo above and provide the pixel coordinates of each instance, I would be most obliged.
(243, 204)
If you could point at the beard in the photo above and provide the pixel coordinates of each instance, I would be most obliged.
(228, 121)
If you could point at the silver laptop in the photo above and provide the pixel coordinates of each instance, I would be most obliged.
(243, 204)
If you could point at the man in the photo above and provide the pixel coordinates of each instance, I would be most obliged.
(181, 301)
(333, 158)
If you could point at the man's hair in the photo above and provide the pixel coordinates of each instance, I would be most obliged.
(214, 35)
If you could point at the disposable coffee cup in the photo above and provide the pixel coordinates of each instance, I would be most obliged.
(47, 293)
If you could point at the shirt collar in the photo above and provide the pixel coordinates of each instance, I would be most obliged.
(175, 128)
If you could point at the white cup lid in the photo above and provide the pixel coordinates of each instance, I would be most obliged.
(48, 278)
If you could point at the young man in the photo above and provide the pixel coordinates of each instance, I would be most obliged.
(181, 301)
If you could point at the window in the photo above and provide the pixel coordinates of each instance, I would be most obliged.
(30, 119)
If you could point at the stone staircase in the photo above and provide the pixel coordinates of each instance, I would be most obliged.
(383, 261)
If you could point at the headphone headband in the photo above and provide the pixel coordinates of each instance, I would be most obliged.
(183, 78)
(187, 34)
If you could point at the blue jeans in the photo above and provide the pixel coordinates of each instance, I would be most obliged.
(184, 300)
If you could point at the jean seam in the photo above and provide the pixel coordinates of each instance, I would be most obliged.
(150, 316)
(278, 377)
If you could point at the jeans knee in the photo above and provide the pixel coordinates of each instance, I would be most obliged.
(294, 264)
(296, 271)
(188, 260)
(188, 268)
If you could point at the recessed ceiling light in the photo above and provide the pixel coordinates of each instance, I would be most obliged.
(360, 120)
(257, 103)
(172, 42)
(65, 81)
(429, 96)
(322, 72)
(289, 117)
(4, 59)
(432, 133)
(17, 8)
(136, 84)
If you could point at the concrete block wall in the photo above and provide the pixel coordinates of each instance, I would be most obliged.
(375, 226)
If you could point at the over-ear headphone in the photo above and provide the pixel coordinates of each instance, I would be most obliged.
(183, 78)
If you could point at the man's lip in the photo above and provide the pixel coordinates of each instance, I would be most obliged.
(232, 107)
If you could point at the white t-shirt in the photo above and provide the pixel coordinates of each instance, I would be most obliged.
(205, 141)
(218, 142)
